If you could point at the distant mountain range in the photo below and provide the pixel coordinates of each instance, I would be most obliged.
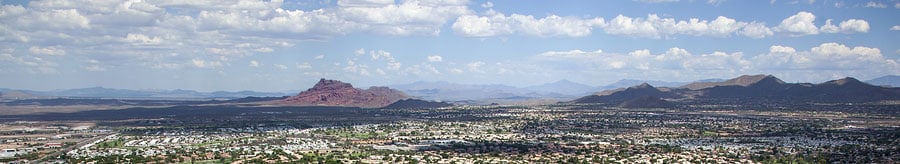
(562, 90)
(562, 87)
(890, 80)
(632, 82)
(100, 92)
(446, 91)
(749, 89)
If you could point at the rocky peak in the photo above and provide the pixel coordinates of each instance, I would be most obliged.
(845, 81)
(337, 93)
(747, 80)
(325, 84)
(563, 81)
(768, 80)
(643, 86)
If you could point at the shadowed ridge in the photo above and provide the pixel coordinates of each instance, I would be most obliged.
(622, 95)
(744, 80)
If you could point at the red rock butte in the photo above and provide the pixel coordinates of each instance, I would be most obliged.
(337, 93)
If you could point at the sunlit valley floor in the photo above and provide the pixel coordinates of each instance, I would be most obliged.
(558, 133)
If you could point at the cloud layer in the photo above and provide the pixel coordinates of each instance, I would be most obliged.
(829, 59)
(207, 34)
(204, 34)
(493, 23)
(425, 39)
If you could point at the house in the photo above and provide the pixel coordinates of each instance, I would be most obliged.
(9, 153)
(53, 145)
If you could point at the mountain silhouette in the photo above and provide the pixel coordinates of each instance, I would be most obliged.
(752, 88)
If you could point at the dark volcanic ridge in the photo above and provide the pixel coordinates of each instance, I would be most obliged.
(619, 96)
(646, 102)
(748, 88)
(417, 104)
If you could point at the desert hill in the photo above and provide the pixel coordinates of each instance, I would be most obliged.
(337, 93)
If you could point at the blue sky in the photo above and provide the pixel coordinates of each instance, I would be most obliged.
(288, 45)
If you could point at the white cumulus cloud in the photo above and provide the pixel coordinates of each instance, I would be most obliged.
(52, 50)
(364, 3)
(304, 65)
(487, 4)
(872, 4)
(854, 25)
(435, 58)
(799, 24)
(756, 30)
(782, 49)
(360, 69)
(829, 27)
(423, 69)
(623, 25)
(200, 63)
(572, 54)
(392, 63)
(802, 24)
(475, 66)
(280, 66)
(142, 39)
(95, 68)
(264, 49)
(848, 26)
(715, 2)
(31, 64)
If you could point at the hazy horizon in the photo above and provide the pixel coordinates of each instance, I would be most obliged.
(311, 83)
(289, 45)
